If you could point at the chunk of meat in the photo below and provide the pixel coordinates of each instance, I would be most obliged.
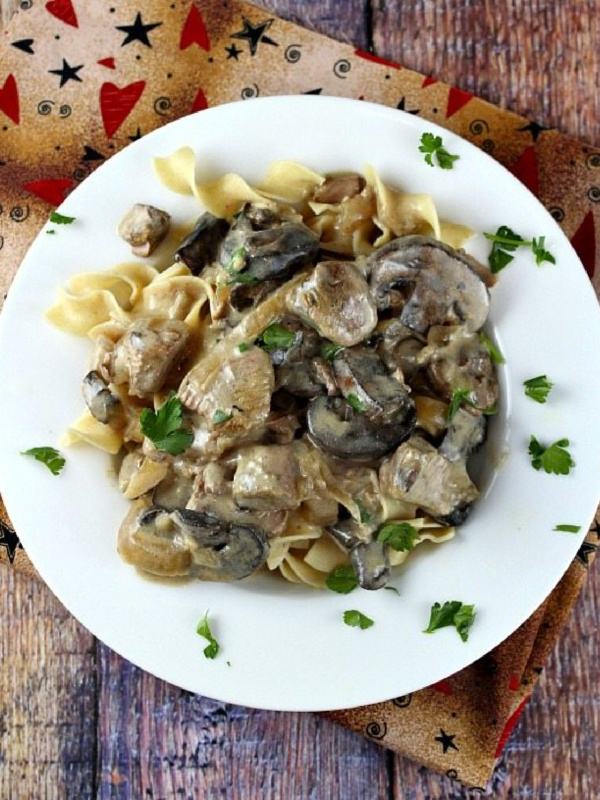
(147, 353)
(335, 299)
(144, 227)
(267, 478)
(241, 386)
(417, 473)
(338, 188)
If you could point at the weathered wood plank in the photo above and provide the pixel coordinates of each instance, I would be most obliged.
(47, 696)
(157, 741)
(536, 57)
(344, 20)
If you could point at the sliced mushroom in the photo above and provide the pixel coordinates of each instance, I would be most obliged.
(149, 541)
(220, 551)
(457, 359)
(144, 227)
(269, 248)
(294, 370)
(431, 282)
(360, 372)
(371, 564)
(336, 428)
(417, 473)
(147, 352)
(335, 300)
(244, 296)
(101, 402)
(398, 347)
(200, 247)
(466, 432)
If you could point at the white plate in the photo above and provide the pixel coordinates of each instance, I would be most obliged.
(286, 647)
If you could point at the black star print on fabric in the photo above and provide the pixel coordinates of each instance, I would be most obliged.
(10, 541)
(446, 741)
(91, 155)
(254, 34)
(401, 107)
(67, 73)
(137, 32)
(137, 135)
(26, 45)
(233, 52)
(584, 553)
(595, 529)
(534, 128)
(314, 91)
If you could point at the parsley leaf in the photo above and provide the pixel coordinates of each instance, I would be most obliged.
(61, 219)
(356, 403)
(365, 516)
(433, 145)
(342, 580)
(203, 629)
(48, 456)
(568, 528)
(538, 388)
(462, 397)
(235, 268)
(164, 428)
(391, 589)
(537, 246)
(355, 619)
(495, 354)
(329, 350)
(553, 459)
(452, 613)
(400, 536)
(50, 232)
(505, 241)
(276, 337)
(219, 417)
(243, 347)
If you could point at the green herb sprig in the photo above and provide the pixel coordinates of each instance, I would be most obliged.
(433, 145)
(452, 613)
(48, 456)
(342, 580)
(356, 619)
(164, 428)
(276, 337)
(401, 536)
(203, 629)
(505, 241)
(554, 459)
(538, 388)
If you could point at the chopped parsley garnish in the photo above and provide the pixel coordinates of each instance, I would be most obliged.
(220, 416)
(433, 145)
(276, 337)
(553, 459)
(538, 388)
(495, 354)
(329, 350)
(462, 397)
(356, 403)
(505, 241)
(203, 629)
(48, 456)
(365, 516)
(356, 619)
(235, 268)
(342, 580)
(51, 232)
(243, 347)
(391, 589)
(452, 613)
(61, 219)
(400, 536)
(568, 528)
(164, 427)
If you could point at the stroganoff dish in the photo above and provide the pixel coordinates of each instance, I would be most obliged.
(296, 385)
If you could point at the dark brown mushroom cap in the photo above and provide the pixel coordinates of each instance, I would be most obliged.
(431, 282)
(101, 402)
(336, 428)
(200, 247)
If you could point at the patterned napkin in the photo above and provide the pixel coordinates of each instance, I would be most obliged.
(79, 80)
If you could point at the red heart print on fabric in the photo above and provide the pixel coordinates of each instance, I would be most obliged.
(64, 11)
(194, 31)
(9, 99)
(116, 104)
(108, 62)
(52, 190)
(200, 102)
(456, 100)
(584, 243)
(526, 170)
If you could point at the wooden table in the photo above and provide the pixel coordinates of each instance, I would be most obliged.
(77, 721)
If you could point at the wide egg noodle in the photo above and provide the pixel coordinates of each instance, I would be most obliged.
(289, 182)
(87, 429)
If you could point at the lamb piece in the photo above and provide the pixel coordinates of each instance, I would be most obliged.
(417, 473)
(267, 478)
(147, 353)
(338, 188)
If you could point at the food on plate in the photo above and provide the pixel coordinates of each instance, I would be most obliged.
(296, 385)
